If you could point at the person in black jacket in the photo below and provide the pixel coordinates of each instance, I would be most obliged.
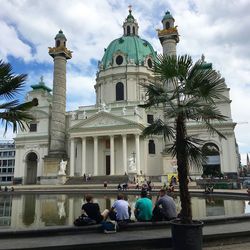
(92, 210)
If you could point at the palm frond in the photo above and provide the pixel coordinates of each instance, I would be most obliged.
(10, 84)
(158, 127)
(9, 105)
(17, 115)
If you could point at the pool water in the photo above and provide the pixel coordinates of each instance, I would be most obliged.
(43, 210)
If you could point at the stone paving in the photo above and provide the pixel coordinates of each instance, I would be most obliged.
(242, 246)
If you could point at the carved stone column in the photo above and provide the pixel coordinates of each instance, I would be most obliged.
(112, 155)
(124, 153)
(137, 148)
(72, 157)
(95, 155)
(83, 170)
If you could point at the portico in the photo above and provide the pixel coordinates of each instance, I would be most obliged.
(105, 151)
(105, 145)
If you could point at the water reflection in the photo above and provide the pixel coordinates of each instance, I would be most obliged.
(42, 210)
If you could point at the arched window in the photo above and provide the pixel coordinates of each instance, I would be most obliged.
(133, 30)
(167, 25)
(151, 147)
(57, 43)
(211, 166)
(119, 91)
(128, 30)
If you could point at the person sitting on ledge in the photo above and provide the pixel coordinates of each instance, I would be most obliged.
(119, 187)
(93, 210)
(125, 186)
(120, 210)
(209, 189)
(143, 207)
(165, 208)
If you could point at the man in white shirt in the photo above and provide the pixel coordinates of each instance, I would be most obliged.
(121, 208)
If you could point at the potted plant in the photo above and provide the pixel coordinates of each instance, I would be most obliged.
(187, 92)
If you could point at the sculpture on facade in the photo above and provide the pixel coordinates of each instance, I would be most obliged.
(124, 110)
(131, 165)
(63, 165)
(74, 116)
(136, 112)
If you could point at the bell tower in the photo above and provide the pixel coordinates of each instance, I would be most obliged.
(168, 36)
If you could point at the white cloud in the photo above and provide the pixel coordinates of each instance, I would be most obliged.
(11, 44)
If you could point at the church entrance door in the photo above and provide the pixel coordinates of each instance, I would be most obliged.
(107, 164)
(31, 161)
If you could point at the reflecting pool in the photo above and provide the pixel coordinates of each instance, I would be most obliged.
(43, 210)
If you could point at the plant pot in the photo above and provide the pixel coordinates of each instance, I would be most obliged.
(186, 236)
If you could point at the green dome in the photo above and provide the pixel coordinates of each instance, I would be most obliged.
(167, 16)
(133, 47)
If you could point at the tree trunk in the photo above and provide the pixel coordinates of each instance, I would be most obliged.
(182, 163)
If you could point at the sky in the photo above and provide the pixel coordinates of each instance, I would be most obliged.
(219, 29)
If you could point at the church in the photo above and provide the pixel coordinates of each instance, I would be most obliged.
(106, 138)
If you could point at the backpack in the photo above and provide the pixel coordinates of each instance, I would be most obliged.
(83, 220)
(109, 227)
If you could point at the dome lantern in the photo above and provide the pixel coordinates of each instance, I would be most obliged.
(130, 25)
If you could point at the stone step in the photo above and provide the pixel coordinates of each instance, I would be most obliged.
(112, 179)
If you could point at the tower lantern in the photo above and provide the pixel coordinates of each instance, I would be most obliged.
(168, 36)
(130, 25)
(60, 39)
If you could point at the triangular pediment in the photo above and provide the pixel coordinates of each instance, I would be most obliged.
(103, 120)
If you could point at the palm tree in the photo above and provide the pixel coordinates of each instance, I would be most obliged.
(12, 112)
(186, 92)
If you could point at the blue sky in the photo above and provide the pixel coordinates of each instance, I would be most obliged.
(217, 29)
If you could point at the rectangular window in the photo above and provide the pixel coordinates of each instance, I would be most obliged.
(33, 127)
(5, 153)
(150, 119)
(4, 163)
(151, 147)
(9, 178)
(9, 170)
(4, 170)
(11, 153)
